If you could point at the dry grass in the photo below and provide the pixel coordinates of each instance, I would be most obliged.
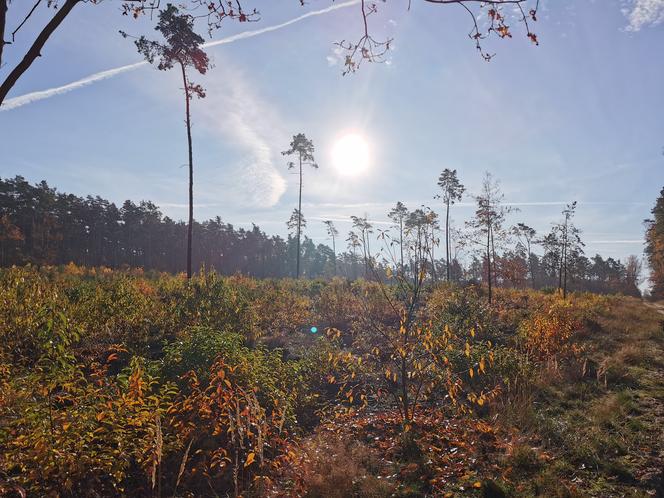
(332, 467)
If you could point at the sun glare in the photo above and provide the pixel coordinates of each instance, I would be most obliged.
(350, 154)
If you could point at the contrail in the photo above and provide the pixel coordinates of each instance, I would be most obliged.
(28, 98)
(31, 97)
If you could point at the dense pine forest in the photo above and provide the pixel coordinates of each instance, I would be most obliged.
(42, 226)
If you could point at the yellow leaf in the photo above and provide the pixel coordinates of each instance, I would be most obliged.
(250, 459)
(477, 484)
(471, 373)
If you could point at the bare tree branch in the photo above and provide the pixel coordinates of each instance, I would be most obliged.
(25, 20)
(368, 49)
(35, 50)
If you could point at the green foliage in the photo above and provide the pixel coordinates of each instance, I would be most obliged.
(462, 309)
(258, 369)
(148, 385)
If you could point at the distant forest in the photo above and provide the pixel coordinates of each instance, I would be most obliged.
(41, 226)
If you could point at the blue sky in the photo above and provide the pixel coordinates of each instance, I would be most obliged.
(577, 118)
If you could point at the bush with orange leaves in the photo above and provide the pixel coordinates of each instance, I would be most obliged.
(548, 332)
(231, 438)
(65, 431)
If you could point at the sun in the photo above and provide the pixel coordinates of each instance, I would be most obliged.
(350, 154)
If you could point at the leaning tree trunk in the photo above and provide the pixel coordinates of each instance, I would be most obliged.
(35, 49)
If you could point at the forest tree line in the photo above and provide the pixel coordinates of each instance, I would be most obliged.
(655, 247)
(42, 226)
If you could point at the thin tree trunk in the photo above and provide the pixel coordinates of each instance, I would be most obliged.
(560, 270)
(404, 387)
(368, 255)
(447, 239)
(488, 258)
(334, 253)
(299, 223)
(354, 264)
(190, 227)
(565, 271)
(433, 259)
(364, 251)
(493, 257)
(3, 19)
(532, 268)
(560, 274)
(401, 241)
(35, 50)
(565, 279)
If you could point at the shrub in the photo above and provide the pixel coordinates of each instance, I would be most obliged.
(331, 466)
(276, 382)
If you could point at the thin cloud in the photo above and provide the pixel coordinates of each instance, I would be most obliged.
(251, 125)
(177, 205)
(31, 97)
(633, 241)
(348, 220)
(642, 13)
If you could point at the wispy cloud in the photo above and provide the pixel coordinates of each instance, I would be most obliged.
(178, 205)
(31, 97)
(626, 241)
(642, 13)
(336, 57)
(348, 220)
(252, 126)
(233, 109)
